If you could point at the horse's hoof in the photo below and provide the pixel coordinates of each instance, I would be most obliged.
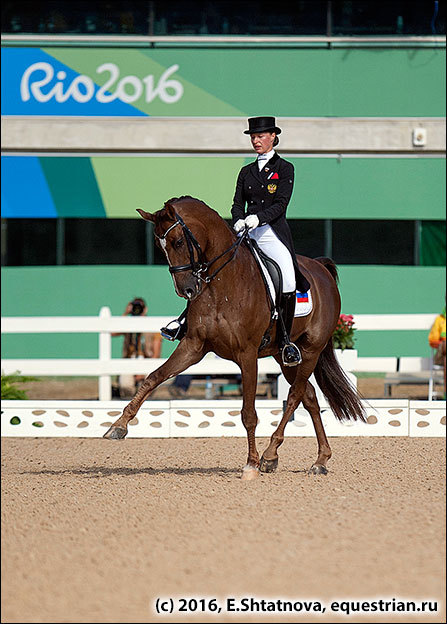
(268, 465)
(318, 469)
(115, 433)
(249, 473)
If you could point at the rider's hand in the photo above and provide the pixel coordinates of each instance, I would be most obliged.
(251, 222)
(239, 226)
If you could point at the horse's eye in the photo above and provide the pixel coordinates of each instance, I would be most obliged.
(178, 243)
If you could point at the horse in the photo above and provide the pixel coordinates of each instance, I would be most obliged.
(229, 313)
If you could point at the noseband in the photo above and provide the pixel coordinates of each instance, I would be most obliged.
(199, 266)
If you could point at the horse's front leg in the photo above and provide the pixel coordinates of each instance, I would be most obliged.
(249, 370)
(189, 352)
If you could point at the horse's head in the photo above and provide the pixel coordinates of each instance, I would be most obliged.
(183, 244)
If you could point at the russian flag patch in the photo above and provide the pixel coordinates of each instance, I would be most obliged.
(302, 297)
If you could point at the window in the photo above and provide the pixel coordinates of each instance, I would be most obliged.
(388, 18)
(29, 242)
(373, 242)
(308, 237)
(104, 241)
(221, 17)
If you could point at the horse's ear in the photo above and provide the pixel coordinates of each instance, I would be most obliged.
(147, 216)
(170, 211)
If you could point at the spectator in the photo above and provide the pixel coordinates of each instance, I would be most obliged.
(436, 339)
(136, 346)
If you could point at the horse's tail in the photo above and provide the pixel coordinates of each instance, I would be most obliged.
(330, 265)
(343, 399)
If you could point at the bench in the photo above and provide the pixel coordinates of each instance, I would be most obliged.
(411, 373)
(217, 387)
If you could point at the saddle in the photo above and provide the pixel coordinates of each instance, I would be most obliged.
(269, 268)
(264, 262)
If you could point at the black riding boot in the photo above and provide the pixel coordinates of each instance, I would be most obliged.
(178, 329)
(291, 355)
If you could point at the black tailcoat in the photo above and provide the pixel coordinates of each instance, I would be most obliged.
(267, 194)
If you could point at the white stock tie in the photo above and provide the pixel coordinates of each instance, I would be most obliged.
(262, 159)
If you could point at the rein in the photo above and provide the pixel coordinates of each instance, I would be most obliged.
(200, 265)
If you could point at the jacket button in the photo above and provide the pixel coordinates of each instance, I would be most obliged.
(249, 188)
(262, 201)
(262, 186)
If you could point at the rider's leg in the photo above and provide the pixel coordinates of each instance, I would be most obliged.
(291, 355)
(273, 247)
(176, 329)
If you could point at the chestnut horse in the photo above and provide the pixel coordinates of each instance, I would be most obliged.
(229, 313)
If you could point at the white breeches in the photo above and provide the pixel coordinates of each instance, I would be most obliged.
(273, 247)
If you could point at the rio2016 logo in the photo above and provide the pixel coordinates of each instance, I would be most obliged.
(82, 89)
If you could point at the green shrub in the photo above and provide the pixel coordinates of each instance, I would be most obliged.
(9, 386)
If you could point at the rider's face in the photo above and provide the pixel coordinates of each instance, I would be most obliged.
(262, 141)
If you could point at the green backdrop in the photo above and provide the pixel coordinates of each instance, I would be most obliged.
(78, 291)
(325, 188)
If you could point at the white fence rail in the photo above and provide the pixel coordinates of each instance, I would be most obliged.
(104, 366)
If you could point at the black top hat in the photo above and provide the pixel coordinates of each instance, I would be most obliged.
(262, 124)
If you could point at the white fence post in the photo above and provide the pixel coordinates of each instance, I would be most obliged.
(105, 355)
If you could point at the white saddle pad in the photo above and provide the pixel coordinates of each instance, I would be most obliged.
(303, 305)
(303, 300)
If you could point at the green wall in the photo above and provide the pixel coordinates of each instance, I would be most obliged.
(81, 291)
(325, 188)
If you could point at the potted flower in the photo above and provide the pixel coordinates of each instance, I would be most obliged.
(343, 340)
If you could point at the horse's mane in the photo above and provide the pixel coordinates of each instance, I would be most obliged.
(174, 200)
(210, 213)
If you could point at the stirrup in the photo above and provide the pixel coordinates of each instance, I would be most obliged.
(171, 333)
(291, 355)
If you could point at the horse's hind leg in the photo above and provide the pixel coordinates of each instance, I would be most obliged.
(297, 377)
(310, 403)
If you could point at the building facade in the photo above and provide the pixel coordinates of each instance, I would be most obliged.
(95, 125)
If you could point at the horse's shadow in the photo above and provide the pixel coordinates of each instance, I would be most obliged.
(97, 472)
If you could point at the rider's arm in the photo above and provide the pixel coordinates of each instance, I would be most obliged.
(238, 209)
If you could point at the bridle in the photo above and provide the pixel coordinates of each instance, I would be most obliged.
(199, 265)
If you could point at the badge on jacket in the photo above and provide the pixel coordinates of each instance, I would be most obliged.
(272, 188)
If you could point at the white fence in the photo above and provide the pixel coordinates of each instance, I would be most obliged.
(104, 366)
(180, 419)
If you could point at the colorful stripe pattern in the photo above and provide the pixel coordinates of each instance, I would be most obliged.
(114, 186)
(182, 81)
(76, 187)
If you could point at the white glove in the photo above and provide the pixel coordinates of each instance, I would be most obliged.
(251, 222)
(239, 226)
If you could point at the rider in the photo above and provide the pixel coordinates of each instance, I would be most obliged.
(266, 187)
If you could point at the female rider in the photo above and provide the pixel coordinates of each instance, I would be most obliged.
(263, 191)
